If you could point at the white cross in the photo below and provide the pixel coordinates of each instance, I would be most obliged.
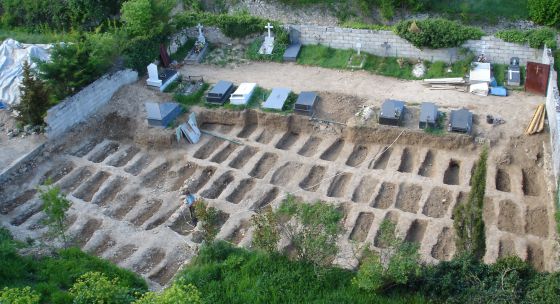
(199, 26)
(269, 27)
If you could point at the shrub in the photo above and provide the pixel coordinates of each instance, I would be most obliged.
(436, 33)
(313, 230)
(536, 38)
(55, 206)
(545, 12)
(396, 264)
(209, 218)
(19, 296)
(95, 287)
(176, 293)
(266, 235)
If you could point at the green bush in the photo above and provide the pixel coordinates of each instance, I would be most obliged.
(436, 33)
(545, 12)
(366, 26)
(238, 25)
(96, 287)
(52, 277)
(536, 38)
(57, 14)
(19, 296)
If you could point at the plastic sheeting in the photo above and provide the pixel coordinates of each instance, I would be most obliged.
(12, 56)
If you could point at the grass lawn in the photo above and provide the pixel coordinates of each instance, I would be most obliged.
(326, 57)
(480, 10)
(226, 274)
(36, 38)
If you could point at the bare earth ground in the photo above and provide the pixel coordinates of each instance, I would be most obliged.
(127, 181)
(14, 148)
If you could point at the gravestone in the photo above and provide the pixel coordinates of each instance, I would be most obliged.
(268, 44)
(153, 77)
(200, 48)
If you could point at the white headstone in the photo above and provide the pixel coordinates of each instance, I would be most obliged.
(268, 45)
(153, 77)
(359, 48)
(201, 37)
(269, 27)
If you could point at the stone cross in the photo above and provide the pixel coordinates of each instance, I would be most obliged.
(200, 35)
(269, 27)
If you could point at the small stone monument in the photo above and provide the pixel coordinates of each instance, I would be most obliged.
(153, 77)
(200, 48)
(268, 44)
(358, 60)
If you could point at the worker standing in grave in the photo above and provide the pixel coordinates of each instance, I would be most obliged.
(190, 201)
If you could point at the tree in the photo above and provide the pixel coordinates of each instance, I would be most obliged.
(176, 293)
(34, 98)
(73, 66)
(469, 223)
(266, 235)
(147, 17)
(55, 206)
(19, 296)
(311, 228)
(95, 287)
(397, 262)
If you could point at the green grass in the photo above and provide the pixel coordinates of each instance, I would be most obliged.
(480, 10)
(196, 98)
(53, 276)
(226, 274)
(326, 57)
(323, 56)
(44, 37)
(439, 129)
(183, 50)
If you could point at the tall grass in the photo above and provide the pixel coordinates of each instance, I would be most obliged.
(53, 276)
(42, 37)
(226, 274)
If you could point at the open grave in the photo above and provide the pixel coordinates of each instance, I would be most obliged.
(128, 189)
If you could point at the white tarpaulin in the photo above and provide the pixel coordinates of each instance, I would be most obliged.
(12, 56)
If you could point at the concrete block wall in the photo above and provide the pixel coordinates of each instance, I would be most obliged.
(553, 111)
(495, 49)
(77, 108)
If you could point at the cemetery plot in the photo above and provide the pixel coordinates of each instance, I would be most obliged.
(129, 199)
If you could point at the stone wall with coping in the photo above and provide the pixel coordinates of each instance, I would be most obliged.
(495, 49)
(553, 111)
(79, 107)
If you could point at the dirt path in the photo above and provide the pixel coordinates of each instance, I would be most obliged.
(516, 109)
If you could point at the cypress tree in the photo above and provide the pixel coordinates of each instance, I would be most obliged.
(469, 224)
(34, 98)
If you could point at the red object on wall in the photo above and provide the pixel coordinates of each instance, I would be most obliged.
(536, 80)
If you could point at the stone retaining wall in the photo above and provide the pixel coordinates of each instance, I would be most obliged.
(89, 100)
(553, 111)
(495, 49)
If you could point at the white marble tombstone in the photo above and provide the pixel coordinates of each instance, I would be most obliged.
(201, 37)
(153, 77)
(268, 44)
